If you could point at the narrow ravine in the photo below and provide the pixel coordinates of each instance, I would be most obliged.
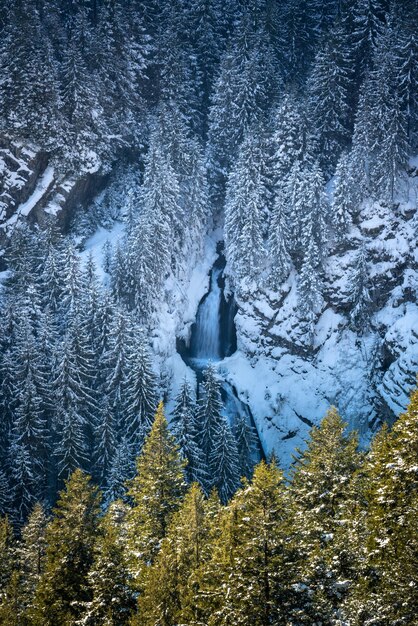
(213, 338)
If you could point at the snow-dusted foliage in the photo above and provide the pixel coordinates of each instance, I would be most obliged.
(134, 138)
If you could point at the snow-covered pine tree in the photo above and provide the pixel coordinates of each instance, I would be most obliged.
(73, 281)
(112, 598)
(161, 199)
(184, 424)
(121, 470)
(295, 39)
(245, 438)
(71, 535)
(209, 413)
(75, 407)
(329, 89)
(369, 20)
(156, 491)
(224, 462)
(84, 124)
(31, 551)
(5, 495)
(320, 488)
(278, 241)
(119, 344)
(24, 485)
(314, 221)
(244, 208)
(28, 90)
(288, 138)
(140, 394)
(104, 441)
(240, 95)
(310, 288)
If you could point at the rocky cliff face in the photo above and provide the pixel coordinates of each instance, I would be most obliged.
(286, 379)
(32, 187)
(289, 381)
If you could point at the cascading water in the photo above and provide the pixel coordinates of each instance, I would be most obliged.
(206, 339)
(213, 338)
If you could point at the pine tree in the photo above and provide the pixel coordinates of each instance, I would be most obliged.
(8, 553)
(245, 438)
(5, 497)
(369, 19)
(245, 204)
(25, 488)
(121, 471)
(310, 289)
(140, 394)
(296, 39)
(240, 95)
(112, 598)
(328, 101)
(28, 92)
(80, 105)
(63, 587)
(209, 416)
(224, 461)
(320, 486)
(11, 606)
(288, 137)
(156, 491)
(184, 424)
(105, 443)
(170, 589)
(380, 141)
(278, 242)
(118, 346)
(251, 556)
(387, 559)
(31, 555)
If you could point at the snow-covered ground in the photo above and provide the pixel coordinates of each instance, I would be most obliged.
(288, 383)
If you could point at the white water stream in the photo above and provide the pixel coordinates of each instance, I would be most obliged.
(207, 340)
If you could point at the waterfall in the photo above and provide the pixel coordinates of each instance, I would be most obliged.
(213, 338)
(206, 340)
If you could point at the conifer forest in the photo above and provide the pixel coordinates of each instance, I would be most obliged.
(208, 313)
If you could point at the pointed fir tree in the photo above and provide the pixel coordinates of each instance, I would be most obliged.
(31, 553)
(105, 443)
(63, 588)
(387, 555)
(8, 553)
(251, 554)
(121, 471)
(170, 587)
(224, 462)
(245, 203)
(209, 417)
(329, 88)
(5, 495)
(140, 394)
(245, 438)
(156, 491)
(278, 242)
(184, 426)
(112, 598)
(320, 487)
(288, 137)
